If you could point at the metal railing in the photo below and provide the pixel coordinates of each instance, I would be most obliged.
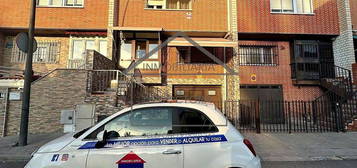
(125, 87)
(283, 116)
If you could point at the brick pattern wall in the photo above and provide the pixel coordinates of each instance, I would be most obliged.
(62, 89)
(254, 17)
(343, 45)
(206, 15)
(2, 111)
(37, 67)
(353, 5)
(2, 46)
(277, 75)
(92, 16)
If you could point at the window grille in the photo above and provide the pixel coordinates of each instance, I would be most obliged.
(258, 55)
(47, 52)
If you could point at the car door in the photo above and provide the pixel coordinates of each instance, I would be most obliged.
(139, 138)
(206, 146)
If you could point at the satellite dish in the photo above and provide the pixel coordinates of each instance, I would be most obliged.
(22, 42)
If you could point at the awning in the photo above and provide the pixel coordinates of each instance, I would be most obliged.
(138, 28)
(355, 37)
(204, 42)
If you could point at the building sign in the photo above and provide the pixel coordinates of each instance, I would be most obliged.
(15, 96)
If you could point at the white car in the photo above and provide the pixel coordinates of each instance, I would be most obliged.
(157, 135)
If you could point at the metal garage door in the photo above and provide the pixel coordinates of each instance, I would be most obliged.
(268, 96)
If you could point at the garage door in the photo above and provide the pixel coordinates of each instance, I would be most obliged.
(200, 93)
(268, 96)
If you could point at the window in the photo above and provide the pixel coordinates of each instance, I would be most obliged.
(142, 47)
(47, 52)
(60, 3)
(80, 45)
(2, 95)
(169, 4)
(158, 121)
(258, 55)
(195, 56)
(291, 6)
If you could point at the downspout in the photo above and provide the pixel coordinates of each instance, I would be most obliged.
(5, 112)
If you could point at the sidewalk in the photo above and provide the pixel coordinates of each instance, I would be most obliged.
(9, 153)
(304, 147)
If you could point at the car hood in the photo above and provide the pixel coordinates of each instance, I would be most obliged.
(57, 144)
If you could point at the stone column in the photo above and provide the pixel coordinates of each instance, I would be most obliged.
(343, 48)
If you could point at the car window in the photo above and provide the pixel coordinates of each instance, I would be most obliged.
(142, 122)
(157, 121)
(187, 120)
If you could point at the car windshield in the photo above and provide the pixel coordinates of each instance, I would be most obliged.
(78, 134)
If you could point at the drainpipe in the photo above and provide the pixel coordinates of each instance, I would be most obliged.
(5, 112)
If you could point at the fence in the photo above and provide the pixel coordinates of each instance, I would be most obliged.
(126, 88)
(285, 116)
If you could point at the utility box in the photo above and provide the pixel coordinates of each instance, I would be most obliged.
(67, 116)
(84, 116)
(67, 119)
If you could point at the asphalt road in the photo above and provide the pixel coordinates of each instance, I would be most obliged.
(308, 164)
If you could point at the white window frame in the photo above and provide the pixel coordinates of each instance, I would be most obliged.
(295, 9)
(96, 40)
(164, 6)
(63, 5)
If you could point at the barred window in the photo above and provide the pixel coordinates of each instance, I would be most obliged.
(47, 52)
(258, 55)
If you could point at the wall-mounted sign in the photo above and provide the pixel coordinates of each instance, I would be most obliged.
(211, 93)
(180, 93)
(253, 77)
(15, 96)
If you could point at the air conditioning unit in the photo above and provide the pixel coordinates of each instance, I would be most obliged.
(156, 4)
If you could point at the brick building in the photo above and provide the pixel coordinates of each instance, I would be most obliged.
(278, 50)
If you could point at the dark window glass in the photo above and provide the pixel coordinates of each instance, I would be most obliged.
(187, 120)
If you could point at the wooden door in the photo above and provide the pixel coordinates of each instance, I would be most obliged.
(200, 93)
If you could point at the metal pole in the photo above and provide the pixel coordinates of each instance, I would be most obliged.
(28, 78)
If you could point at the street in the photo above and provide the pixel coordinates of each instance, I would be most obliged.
(302, 164)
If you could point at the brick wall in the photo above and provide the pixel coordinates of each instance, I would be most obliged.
(207, 15)
(2, 110)
(353, 5)
(37, 67)
(343, 45)
(61, 89)
(354, 73)
(96, 61)
(2, 46)
(277, 75)
(92, 16)
(254, 17)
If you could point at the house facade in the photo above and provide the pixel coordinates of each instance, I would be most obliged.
(278, 50)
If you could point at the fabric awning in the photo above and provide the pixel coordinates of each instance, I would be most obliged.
(204, 42)
(355, 37)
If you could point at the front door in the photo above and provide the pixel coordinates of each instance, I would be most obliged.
(139, 138)
(199, 93)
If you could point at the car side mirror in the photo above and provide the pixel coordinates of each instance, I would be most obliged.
(100, 135)
(102, 139)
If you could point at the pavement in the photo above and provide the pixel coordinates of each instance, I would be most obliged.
(10, 153)
(305, 146)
